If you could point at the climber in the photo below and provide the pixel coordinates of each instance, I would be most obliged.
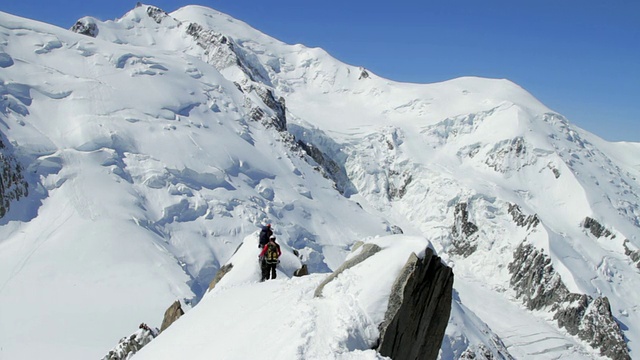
(265, 234)
(269, 258)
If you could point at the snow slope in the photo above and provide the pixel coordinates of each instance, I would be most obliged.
(281, 319)
(145, 176)
(152, 153)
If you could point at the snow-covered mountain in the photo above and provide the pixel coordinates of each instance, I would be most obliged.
(138, 154)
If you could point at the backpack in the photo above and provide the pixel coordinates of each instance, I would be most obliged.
(271, 257)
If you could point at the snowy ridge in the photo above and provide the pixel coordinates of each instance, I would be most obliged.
(154, 148)
(281, 318)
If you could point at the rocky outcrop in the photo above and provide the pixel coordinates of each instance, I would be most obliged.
(535, 280)
(156, 14)
(397, 184)
(592, 321)
(598, 230)
(463, 232)
(86, 27)
(219, 275)
(418, 310)
(221, 52)
(173, 313)
(480, 352)
(367, 251)
(13, 186)
(132, 344)
(522, 220)
(633, 255)
(328, 167)
(539, 286)
(510, 155)
(279, 119)
(303, 271)
(363, 74)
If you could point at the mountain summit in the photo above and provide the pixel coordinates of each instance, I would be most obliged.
(139, 154)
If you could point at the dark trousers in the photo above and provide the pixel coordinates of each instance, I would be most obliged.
(268, 269)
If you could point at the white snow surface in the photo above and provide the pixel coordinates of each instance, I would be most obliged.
(281, 319)
(146, 172)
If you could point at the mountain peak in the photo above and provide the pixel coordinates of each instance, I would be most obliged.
(152, 148)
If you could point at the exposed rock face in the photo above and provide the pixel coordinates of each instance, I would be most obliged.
(592, 320)
(219, 275)
(510, 155)
(279, 120)
(419, 309)
(464, 240)
(598, 230)
(330, 168)
(539, 285)
(86, 27)
(12, 183)
(397, 185)
(367, 251)
(528, 221)
(479, 352)
(634, 255)
(534, 278)
(132, 344)
(222, 53)
(172, 314)
(156, 14)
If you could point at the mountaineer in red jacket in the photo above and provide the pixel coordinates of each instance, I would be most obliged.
(269, 258)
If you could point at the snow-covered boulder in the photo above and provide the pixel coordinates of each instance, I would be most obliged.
(86, 26)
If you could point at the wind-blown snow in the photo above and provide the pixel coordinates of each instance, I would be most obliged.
(146, 172)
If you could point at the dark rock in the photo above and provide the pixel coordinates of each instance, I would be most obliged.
(555, 171)
(367, 251)
(534, 278)
(278, 107)
(13, 186)
(395, 229)
(480, 352)
(329, 168)
(397, 191)
(521, 219)
(510, 155)
(156, 14)
(220, 274)
(418, 310)
(539, 285)
(172, 314)
(462, 232)
(303, 271)
(127, 346)
(86, 27)
(591, 320)
(222, 52)
(598, 230)
(633, 255)
(363, 74)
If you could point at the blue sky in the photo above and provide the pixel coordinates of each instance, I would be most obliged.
(580, 58)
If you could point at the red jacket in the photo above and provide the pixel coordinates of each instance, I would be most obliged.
(264, 249)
